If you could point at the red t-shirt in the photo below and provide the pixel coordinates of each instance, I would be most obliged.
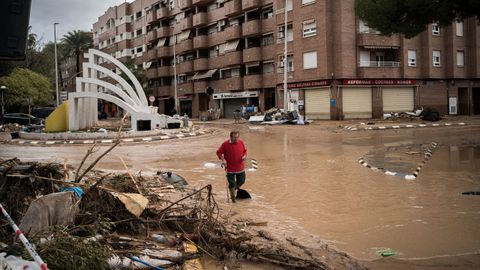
(233, 154)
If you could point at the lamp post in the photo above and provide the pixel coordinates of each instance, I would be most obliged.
(285, 62)
(56, 63)
(3, 88)
(177, 109)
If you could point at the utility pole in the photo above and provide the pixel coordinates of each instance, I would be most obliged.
(285, 63)
(56, 63)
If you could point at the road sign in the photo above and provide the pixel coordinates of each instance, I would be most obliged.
(151, 98)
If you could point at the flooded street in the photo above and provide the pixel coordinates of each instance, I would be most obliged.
(310, 186)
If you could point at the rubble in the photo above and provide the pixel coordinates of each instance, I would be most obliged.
(125, 224)
(275, 116)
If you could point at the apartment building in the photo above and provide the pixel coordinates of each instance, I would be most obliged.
(226, 53)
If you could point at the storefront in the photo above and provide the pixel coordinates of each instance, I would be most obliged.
(398, 98)
(232, 101)
(357, 102)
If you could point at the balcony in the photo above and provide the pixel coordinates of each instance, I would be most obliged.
(164, 52)
(151, 54)
(185, 88)
(151, 16)
(164, 71)
(200, 42)
(201, 2)
(151, 36)
(251, 28)
(216, 14)
(253, 81)
(184, 46)
(229, 59)
(250, 4)
(163, 32)
(233, 8)
(252, 54)
(233, 32)
(184, 4)
(200, 86)
(200, 19)
(269, 80)
(268, 25)
(200, 64)
(162, 91)
(375, 41)
(161, 13)
(268, 52)
(185, 67)
(184, 24)
(151, 73)
(234, 83)
(379, 69)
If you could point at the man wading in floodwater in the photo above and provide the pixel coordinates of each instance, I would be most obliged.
(233, 152)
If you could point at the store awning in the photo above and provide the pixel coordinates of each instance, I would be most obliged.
(184, 35)
(204, 75)
(231, 45)
(161, 42)
(164, 98)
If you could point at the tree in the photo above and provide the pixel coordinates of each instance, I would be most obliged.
(411, 17)
(76, 43)
(21, 85)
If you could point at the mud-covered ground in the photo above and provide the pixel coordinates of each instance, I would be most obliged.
(310, 186)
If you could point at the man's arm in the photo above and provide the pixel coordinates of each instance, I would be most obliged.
(221, 152)
(244, 151)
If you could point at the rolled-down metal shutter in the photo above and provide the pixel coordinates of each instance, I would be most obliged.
(317, 103)
(230, 105)
(398, 99)
(357, 102)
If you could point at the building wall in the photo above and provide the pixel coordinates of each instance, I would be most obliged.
(339, 44)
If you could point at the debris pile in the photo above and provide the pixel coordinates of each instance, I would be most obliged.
(276, 116)
(130, 221)
(10, 128)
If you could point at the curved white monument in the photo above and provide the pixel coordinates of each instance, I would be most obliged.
(83, 103)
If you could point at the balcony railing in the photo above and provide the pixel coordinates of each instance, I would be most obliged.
(392, 64)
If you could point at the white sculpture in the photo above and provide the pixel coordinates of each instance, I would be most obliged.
(82, 112)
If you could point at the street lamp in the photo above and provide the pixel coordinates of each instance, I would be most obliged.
(177, 109)
(3, 88)
(56, 63)
(286, 98)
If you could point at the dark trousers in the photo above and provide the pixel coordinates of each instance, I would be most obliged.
(235, 180)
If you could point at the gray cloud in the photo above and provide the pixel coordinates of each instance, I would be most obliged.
(71, 14)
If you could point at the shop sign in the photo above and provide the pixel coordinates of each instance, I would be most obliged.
(379, 82)
(244, 94)
(308, 84)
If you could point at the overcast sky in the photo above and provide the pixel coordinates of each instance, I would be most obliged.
(71, 14)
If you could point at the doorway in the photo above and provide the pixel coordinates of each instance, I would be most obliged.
(463, 101)
(476, 100)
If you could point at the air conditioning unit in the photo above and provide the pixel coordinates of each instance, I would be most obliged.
(282, 63)
(222, 23)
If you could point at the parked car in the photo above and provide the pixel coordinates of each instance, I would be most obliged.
(21, 119)
(42, 112)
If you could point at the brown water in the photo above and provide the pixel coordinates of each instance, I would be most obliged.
(310, 186)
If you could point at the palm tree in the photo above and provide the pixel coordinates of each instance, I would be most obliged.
(76, 43)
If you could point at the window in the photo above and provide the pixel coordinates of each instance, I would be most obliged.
(138, 15)
(309, 28)
(364, 58)
(281, 33)
(459, 28)
(309, 60)
(436, 58)
(281, 63)
(460, 59)
(412, 58)
(289, 5)
(306, 2)
(139, 32)
(267, 40)
(435, 29)
(267, 13)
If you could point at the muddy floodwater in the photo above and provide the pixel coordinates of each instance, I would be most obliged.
(309, 184)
